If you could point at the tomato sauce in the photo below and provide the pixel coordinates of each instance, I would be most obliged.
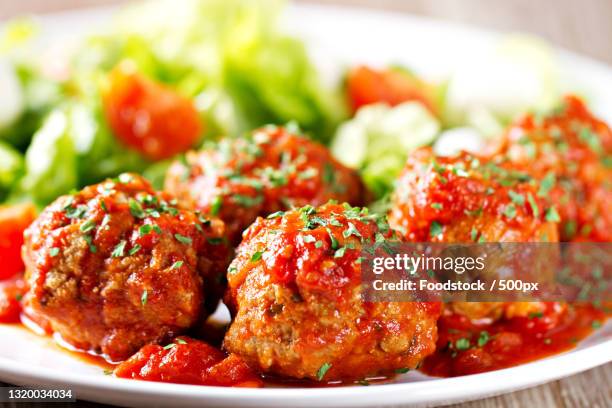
(465, 347)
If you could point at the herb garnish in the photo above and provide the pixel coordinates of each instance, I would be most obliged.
(136, 209)
(256, 256)
(462, 344)
(119, 249)
(183, 239)
(323, 370)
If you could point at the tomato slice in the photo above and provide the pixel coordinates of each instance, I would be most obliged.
(148, 116)
(188, 361)
(13, 221)
(366, 86)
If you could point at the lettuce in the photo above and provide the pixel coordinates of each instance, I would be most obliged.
(27, 96)
(11, 168)
(275, 83)
(99, 153)
(50, 163)
(227, 54)
(379, 138)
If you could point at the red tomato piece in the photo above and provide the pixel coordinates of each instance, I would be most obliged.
(188, 361)
(13, 221)
(11, 292)
(367, 86)
(148, 116)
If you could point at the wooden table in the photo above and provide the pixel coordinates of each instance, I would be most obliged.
(580, 25)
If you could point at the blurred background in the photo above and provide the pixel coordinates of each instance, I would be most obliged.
(580, 25)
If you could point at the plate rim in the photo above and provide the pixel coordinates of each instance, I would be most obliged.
(428, 391)
(523, 376)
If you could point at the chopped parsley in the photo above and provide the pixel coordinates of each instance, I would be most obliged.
(214, 240)
(54, 252)
(136, 209)
(145, 229)
(334, 241)
(460, 172)
(435, 229)
(309, 239)
(570, 228)
(436, 206)
(516, 197)
(215, 207)
(462, 344)
(340, 252)
(256, 256)
(276, 215)
(89, 240)
(473, 234)
(483, 338)
(547, 184)
(591, 139)
(552, 215)
(534, 206)
(323, 370)
(510, 211)
(144, 298)
(329, 177)
(183, 239)
(308, 173)
(135, 249)
(75, 213)
(177, 265)
(351, 230)
(246, 201)
(333, 221)
(88, 226)
(119, 249)
(401, 370)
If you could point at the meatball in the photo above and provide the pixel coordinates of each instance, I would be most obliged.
(117, 265)
(470, 199)
(570, 150)
(270, 171)
(294, 289)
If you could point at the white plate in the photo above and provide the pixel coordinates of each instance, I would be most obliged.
(336, 37)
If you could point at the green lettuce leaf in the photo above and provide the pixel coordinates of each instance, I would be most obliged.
(50, 162)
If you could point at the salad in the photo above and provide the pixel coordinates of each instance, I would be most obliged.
(163, 79)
